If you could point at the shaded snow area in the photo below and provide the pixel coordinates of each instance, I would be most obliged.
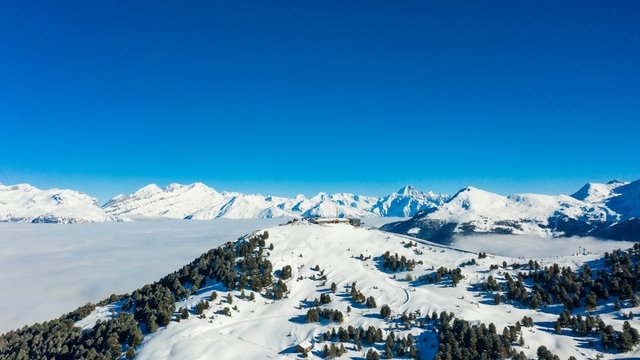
(48, 270)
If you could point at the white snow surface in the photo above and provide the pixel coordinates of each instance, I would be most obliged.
(621, 197)
(200, 202)
(597, 192)
(46, 271)
(26, 203)
(264, 329)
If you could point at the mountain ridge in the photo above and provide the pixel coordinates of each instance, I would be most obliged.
(607, 210)
(200, 202)
(26, 203)
(602, 210)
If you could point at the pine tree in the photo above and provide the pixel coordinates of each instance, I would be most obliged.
(385, 311)
(372, 355)
(388, 352)
(152, 325)
(371, 302)
(286, 272)
(591, 301)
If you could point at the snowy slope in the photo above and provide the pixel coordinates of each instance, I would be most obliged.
(594, 210)
(264, 328)
(597, 192)
(25, 203)
(621, 197)
(174, 201)
(198, 201)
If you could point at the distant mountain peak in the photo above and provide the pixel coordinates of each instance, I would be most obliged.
(151, 188)
(598, 192)
(470, 191)
(26, 203)
(407, 190)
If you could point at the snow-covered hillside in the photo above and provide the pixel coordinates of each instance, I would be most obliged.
(237, 326)
(603, 210)
(621, 197)
(25, 203)
(200, 202)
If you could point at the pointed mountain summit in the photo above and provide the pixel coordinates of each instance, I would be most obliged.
(407, 201)
(597, 192)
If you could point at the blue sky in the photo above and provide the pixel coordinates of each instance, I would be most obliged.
(303, 96)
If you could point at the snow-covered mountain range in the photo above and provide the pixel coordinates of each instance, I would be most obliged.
(200, 202)
(25, 203)
(608, 210)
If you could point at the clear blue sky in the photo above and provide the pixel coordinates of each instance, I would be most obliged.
(291, 97)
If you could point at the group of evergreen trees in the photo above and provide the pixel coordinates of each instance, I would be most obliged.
(457, 340)
(461, 341)
(360, 298)
(355, 335)
(442, 273)
(401, 346)
(315, 314)
(60, 339)
(623, 340)
(394, 346)
(555, 284)
(395, 263)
